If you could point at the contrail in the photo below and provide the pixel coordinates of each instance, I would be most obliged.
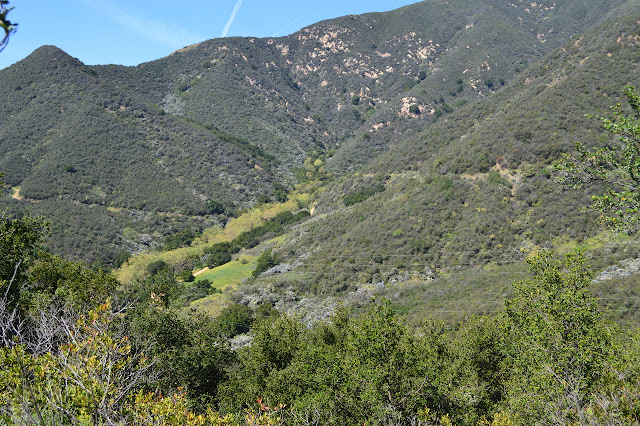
(236, 9)
(293, 22)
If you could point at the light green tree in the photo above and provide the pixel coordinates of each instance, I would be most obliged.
(86, 381)
(8, 27)
(561, 346)
(617, 165)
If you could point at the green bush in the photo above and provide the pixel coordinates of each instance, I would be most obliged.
(360, 196)
(266, 260)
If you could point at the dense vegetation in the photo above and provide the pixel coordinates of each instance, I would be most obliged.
(140, 153)
(412, 283)
(549, 356)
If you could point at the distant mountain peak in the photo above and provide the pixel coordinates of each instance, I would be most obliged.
(50, 57)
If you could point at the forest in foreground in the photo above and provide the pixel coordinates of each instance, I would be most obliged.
(548, 357)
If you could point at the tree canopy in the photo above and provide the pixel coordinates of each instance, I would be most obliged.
(617, 165)
(6, 25)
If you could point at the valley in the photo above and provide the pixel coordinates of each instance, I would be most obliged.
(390, 207)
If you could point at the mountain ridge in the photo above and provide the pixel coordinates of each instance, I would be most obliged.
(234, 120)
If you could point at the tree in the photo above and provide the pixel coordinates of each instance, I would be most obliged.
(262, 365)
(218, 258)
(280, 192)
(266, 260)
(19, 243)
(8, 27)
(616, 165)
(561, 347)
(189, 352)
(85, 381)
(97, 376)
(369, 369)
(235, 319)
(155, 267)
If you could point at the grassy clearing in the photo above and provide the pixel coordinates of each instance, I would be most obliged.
(565, 244)
(230, 274)
(135, 268)
(211, 305)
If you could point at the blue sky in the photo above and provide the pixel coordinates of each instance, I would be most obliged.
(129, 32)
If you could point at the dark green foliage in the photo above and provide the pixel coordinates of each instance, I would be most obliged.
(263, 199)
(484, 344)
(120, 258)
(218, 247)
(496, 178)
(561, 347)
(72, 283)
(366, 369)
(275, 344)
(360, 196)
(414, 109)
(161, 289)
(180, 239)
(19, 241)
(280, 192)
(154, 267)
(215, 207)
(266, 260)
(196, 290)
(186, 276)
(218, 258)
(189, 353)
(235, 319)
(410, 84)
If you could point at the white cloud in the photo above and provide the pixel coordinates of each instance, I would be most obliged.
(169, 35)
(236, 9)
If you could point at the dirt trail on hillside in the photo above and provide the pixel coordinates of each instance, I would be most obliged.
(16, 194)
(195, 274)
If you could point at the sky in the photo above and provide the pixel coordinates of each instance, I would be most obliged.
(129, 32)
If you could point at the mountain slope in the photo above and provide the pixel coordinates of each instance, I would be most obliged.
(475, 191)
(145, 150)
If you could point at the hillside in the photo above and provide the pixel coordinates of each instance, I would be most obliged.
(136, 154)
(459, 225)
(364, 222)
